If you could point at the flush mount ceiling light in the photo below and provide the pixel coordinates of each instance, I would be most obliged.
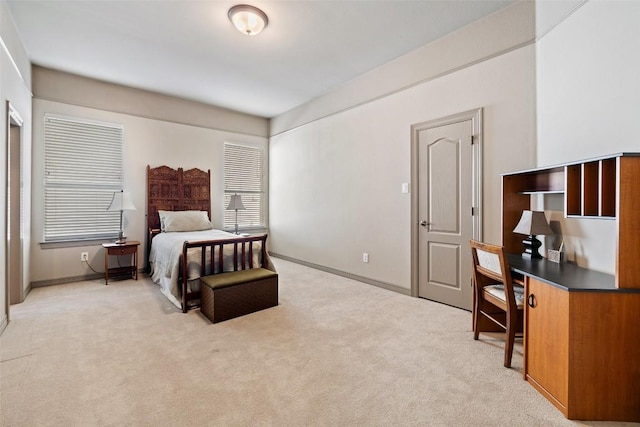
(247, 19)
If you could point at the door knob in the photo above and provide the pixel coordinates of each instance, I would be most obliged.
(424, 223)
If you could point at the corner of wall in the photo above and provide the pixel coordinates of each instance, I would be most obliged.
(13, 46)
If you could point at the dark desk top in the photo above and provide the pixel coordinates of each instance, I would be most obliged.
(566, 276)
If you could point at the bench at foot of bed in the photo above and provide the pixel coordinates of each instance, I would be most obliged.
(224, 296)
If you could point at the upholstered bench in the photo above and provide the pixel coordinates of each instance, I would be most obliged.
(224, 296)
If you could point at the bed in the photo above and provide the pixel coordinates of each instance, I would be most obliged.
(182, 245)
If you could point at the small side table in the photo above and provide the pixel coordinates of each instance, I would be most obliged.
(127, 248)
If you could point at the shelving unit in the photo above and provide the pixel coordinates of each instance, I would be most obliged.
(600, 188)
(608, 188)
(591, 189)
(517, 189)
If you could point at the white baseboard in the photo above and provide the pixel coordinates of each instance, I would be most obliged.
(366, 280)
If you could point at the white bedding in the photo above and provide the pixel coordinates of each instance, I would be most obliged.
(165, 254)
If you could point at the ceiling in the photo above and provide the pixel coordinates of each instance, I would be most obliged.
(189, 49)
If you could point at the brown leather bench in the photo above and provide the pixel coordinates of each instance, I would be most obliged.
(227, 295)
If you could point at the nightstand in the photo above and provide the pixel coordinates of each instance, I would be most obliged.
(115, 249)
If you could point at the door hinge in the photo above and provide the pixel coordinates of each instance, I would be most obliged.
(473, 211)
(472, 139)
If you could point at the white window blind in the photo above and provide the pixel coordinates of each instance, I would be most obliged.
(83, 168)
(244, 175)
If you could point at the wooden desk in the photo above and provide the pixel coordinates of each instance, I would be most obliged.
(581, 340)
(128, 248)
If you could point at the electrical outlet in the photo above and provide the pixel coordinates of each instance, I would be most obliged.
(84, 256)
(365, 257)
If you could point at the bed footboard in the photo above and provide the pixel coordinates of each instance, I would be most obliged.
(216, 256)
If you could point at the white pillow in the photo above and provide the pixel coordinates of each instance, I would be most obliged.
(184, 221)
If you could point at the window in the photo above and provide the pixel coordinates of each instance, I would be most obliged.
(244, 175)
(83, 168)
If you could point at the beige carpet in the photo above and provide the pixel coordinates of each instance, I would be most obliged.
(335, 352)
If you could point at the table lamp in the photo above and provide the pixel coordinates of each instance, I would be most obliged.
(121, 202)
(532, 223)
(235, 204)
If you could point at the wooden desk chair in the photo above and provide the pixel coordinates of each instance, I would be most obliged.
(498, 302)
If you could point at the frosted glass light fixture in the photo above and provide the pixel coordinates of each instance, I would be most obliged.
(247, 19)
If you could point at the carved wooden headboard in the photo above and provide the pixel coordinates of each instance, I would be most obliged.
(176, 190)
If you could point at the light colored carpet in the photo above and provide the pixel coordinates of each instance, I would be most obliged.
(335, 352)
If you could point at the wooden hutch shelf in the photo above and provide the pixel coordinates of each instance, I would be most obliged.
(602, 188)
(591, 189)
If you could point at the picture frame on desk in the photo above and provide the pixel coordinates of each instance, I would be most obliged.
(555, 256)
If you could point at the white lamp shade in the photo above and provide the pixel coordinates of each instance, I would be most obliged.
(247, 19)
(121, 202)
(533, 223)
(235, 203)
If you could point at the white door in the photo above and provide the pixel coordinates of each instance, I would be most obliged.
(447, 174)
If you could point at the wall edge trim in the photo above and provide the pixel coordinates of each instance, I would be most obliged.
(373, 282)
(3, 325)
(407, 86)
(148, 117)
(15, 66)
(72, 279)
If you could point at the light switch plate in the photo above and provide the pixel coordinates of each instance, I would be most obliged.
(405, 188)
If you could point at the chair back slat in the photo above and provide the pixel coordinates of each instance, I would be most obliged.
(490, 266)
(489, 261)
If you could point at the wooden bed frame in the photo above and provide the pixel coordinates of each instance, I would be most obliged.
(179, 190)
(243, 248)
(176, 190)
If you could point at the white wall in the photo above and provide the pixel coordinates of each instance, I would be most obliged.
(336, 181)
(15, 87)
(147, 142)
(588, 83)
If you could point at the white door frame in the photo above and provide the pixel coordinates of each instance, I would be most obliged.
(476, 122)
(13, 119)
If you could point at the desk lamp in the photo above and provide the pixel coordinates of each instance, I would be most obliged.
(235, 204)
(532, 223)
(121, 202)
